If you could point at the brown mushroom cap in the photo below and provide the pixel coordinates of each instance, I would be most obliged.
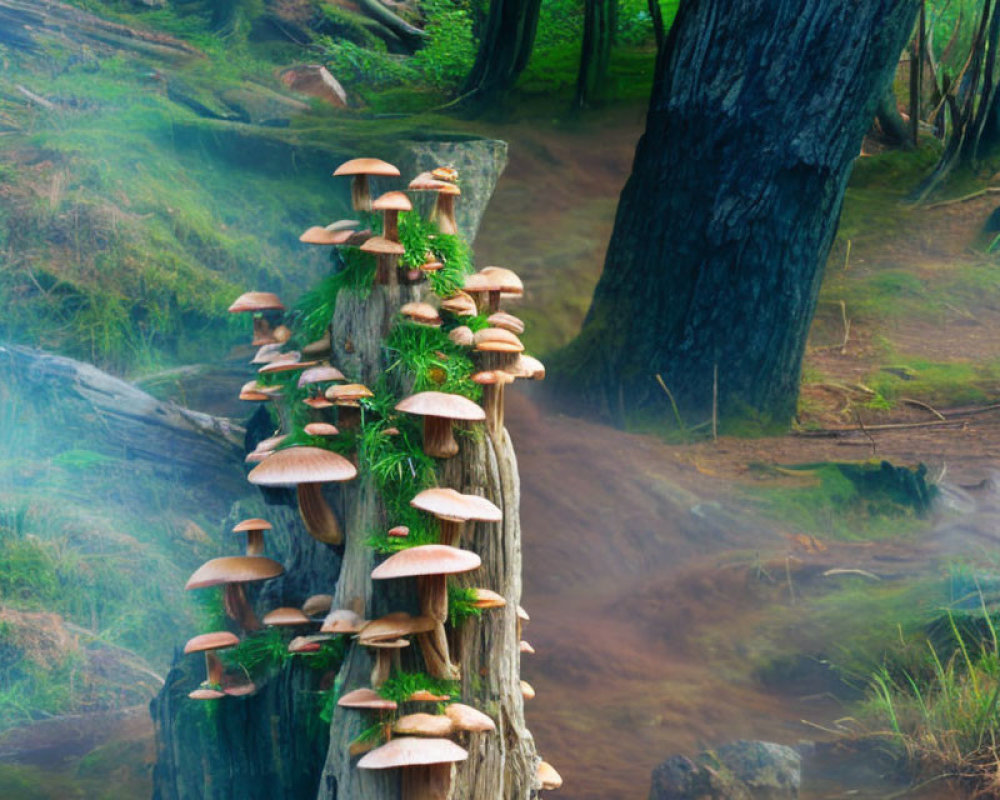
(317, 604)
(256, 301)
(211, 641)
(522, 614)
(321, 429)
(504, 280)
(382, 246)
(440, 404)
(524, 647)
(408, 751)
(497, 340)
(252, 392)
(467, 718)
(487, 598)
(366, 698)
(301, 464)
(320, 375)
(348, 391)
(527, 690)
(395, 626)
(426, 182)
(448, 504)
(501, 319)
(285, 365)
(367, 166)
(427, 559)
(424, 696)
(421, 314)
(460, 304)
(234, 569)
(286, 616)
(343, 620)
(462, 336)
(527, 367)
(399, 532)
(392, 201)
(547, 776)
(308, 644)
(421, 724)
(255, 524)
(206, 694)
(318, 402)
(324, 236)
(267, 353)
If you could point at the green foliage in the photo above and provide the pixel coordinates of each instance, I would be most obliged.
(371, 67)
(401, 685)
(461, 606)
(419, 237)
(260, 652)
(846, 501)
(448, 55)
(942, 706)
(437, 363)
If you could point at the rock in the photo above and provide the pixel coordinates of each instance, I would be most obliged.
(315, 80)
(259, 105)
(744, 770)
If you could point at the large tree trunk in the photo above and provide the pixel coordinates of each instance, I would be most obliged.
(757, 114)
(504, 50)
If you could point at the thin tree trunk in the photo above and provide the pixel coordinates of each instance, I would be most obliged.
(600, 19)
(723, 228)
(504, 50)
(656, 15)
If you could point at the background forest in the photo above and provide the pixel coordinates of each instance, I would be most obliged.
(160, 157)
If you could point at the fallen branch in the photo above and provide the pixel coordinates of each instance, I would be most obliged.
(920, 404)
(965, 198)
(397, 25)
(845, 571)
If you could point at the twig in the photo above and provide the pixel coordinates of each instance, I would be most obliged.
(847, 322)
(964, 198)
(864, 430)
(715, 403)
(673, 403)
(36, 98)
(920, 404)
(845, 571)
(847, 258)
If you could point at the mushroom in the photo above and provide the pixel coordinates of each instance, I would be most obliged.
(390, 204)
(386, 652)
(490, 283)
(320, 429)
(308, 644)
(207, 643)
(232, 572)
(286, 617)
(421, 314)
(347, 397)
(343, 620)
(522, 619)
(431, 564)
(524, 647)
(462, 336)
(426, 765)
(421, 724)
(386, 257)
(254, 529)
(321, 374)
(259, 304)
(493, 381)
(308, 468)
(467, 718)
(547, 777)
(443, 213)
(527, 691)
(453, 510)
(438, 410)
(324, 236)
(501, 319)
(251, 392)
(317, 604)
(460, 304)
(487, 598)
(360, 169)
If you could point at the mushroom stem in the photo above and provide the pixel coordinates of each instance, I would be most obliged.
(255, 543)
(390, 224)
(493, 406)
(432, 591)
(439, 440)
(382, 668)
(385, 269)
(443, 214)
(361, 198)
(317, 515)
(451, 532)
(263, 333)
(213, 668)
(427, 782)
(493, 300)
(234, 600)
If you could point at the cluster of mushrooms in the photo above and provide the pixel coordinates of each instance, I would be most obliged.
(418, 742)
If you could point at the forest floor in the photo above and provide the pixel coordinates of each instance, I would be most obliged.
(681, 593)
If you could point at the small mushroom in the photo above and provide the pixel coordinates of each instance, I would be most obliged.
(254, 529)
(426, 765)
(360, 169)
(453, 509)
(443, 213)
(439, 410)
(260, 304)
(208, 643)
(390, 204)
(232, 572)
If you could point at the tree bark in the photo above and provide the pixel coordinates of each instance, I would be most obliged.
(599, 21)
(504, 50)
(723, 228)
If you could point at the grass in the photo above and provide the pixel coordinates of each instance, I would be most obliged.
(845, 501)
(941, 707)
